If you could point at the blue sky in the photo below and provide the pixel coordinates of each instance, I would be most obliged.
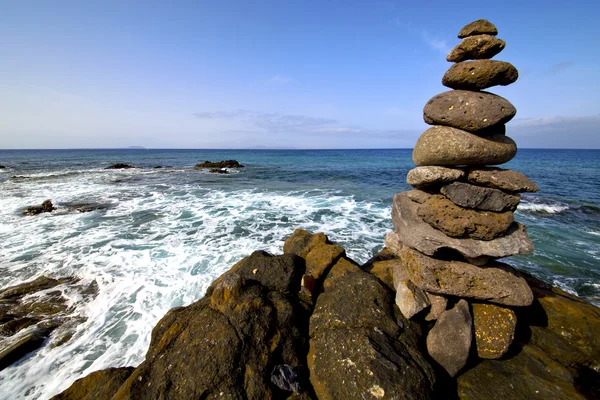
(294, 74)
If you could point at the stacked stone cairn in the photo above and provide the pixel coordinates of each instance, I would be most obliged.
(450, 231)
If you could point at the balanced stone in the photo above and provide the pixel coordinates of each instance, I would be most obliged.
(480, 74)
(455, 221)
(425, 177)
(495, 283)
(438, 306)
(412, 231)
(410, 299)
(479, 27)
(480, 198)
(443, 145)
(470, 111)
(494, 329)
(418, 196)
(449, 341)
(476, 48)
(503, 179)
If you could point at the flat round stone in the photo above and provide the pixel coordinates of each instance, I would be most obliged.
(431, 176)
(443, 145)
(479, 47)
(479, 27)
(470, 111)
(480, 74)
(480, 198)
(503, 179)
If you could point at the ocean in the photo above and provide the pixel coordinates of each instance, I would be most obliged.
(162, 235)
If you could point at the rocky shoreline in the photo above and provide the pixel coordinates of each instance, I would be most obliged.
(313, 324)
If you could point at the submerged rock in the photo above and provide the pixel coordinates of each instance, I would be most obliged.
(120, 166)
(220, 164)
(46, 206)
(218, 171)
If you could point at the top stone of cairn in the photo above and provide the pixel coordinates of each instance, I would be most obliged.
(479, 27)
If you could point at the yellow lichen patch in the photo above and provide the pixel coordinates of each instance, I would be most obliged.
(377, 391)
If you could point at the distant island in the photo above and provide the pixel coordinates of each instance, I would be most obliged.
(137, 148)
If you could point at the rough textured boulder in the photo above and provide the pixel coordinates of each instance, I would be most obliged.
(479, 27)
(480, 198)
(494, 329)
(496, 283)
(249, 322)
(438, 306)
(503, 179)
(99, 385)
(476, 48)
(220, 164)
(46, 206)
(433, 176)
(414, 232)
(449, 341)
(479, 75)
(443, 145)
(410, 299)
(301, 242)
(455, 221)
(469, 111)
(354, 333)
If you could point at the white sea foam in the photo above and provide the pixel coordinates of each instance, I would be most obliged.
(153, 250)
(542, 208)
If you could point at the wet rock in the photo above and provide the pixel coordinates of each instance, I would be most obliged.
(218, 171)
(285, 377)
(411, 230)
(469, 111)
(433, 176)
(15, 348)
(36, 285)
(220, 164)
(410, 299)
(494, 329)
(478, 27)
(455, 221)
(98, 385)
(438, 306)
(479, 75)
(3, 167)
(496, 282)
(480, 198)
(476, 47)
(503, 179)
(46, 206)
(354, 333)
(119, 166)
(443, 145)
(449, 341)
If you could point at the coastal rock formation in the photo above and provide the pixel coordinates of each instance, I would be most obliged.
(449, 233)
(220, 164)
(45, 207)
(120, 166)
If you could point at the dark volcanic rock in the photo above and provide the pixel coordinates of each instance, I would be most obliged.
(357, 348)
(455, 221)
(417, 234)
(218, 171)
(3, 167)
(494, 329)
(503, 179)
(120, 166)
(220, 164)
(248, 323)
(496, 282)
(449, 341)
(46, 206)
(432, 176)
(476, 48)
(12, 350)
(480, 74)
(480, 198)
(99, 385)
(479, 27)
(469, 111)
(443, 145)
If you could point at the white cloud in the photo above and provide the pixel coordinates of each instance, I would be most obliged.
(281, 80)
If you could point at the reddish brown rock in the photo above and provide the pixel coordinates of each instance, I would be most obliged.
(476, 47)
(479, 75)
(503, 179)
(456, 221)
(469, 111)
(479, 27)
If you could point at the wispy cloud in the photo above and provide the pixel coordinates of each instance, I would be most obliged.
(557, 132)
(425, 36)
(560, 67)
(281, 80)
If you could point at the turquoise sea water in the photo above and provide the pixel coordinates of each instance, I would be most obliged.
(164, 234)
